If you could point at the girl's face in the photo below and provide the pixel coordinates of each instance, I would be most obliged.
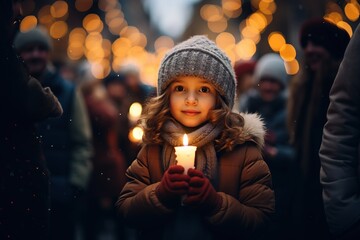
(191, 99)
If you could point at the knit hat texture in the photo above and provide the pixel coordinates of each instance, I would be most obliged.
(199, 57)
(271, 66)
(34, 36)
(326, 34)
(243, 67)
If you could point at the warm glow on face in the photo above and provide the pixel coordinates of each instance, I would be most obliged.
(191, 100)
(185, 140)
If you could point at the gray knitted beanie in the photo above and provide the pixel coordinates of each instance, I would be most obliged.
(272, 66)
(199, 57)
(34, 36)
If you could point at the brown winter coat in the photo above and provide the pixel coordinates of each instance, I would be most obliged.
(244, 184)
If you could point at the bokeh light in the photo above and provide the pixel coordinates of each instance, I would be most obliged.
(351, 12)
(83, 5)
(58, 29)
(288, 52)
(163, 42)
(92, 23)
(58, 9)
(245, 49)
(231, 5)
(100, 69)
(276, 40)
(77, 34)
(120, 46)
(218, 26)
(44, 15)
(257, 20)
(107, 5)
(135, 135)
(333, 17)
(267, 7)
(346, 27)
(135, 111)
(208, 11)
(225, 41)
(292, 67)
(251, 33)
(28, 23)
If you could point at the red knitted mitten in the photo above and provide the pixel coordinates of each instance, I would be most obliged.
(173, 185)
(201, 194)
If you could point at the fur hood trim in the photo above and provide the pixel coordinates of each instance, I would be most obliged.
(254, 128)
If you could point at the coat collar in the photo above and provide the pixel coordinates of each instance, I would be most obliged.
(254, 129)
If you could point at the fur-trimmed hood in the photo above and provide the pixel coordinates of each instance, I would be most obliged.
(254, 129)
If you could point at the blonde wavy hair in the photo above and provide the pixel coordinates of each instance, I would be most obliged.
(157, 112)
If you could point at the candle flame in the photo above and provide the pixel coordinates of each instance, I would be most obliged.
(185, 140)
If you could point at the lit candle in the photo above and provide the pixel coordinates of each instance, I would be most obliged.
(185, 155)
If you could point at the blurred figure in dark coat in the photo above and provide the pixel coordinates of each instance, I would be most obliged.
(109, 164)
(66, 141)
(24, 177)
(269, 100)
(244, 71)
(323, 44)
(340, 148)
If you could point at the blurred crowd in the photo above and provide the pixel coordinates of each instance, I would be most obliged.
(68, 138)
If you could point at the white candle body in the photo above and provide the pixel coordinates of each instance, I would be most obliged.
(185, 156)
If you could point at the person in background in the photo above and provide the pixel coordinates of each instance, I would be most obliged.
(118, 91)
(109, 164)
(323, 44)
(24, 176)
(244, 71)
(269, 100)
(138, 91)
(66, 141)
(340, 148)
(229, 194)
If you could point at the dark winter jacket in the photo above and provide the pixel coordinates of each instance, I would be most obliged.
(62, 138)
(24, 179)
(340, 149)
(282, 164)
(109, 164)
(274, 115)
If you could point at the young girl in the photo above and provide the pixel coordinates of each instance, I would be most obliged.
(228, 194)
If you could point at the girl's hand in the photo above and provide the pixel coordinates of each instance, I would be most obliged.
(173, 185)
(201, 194)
